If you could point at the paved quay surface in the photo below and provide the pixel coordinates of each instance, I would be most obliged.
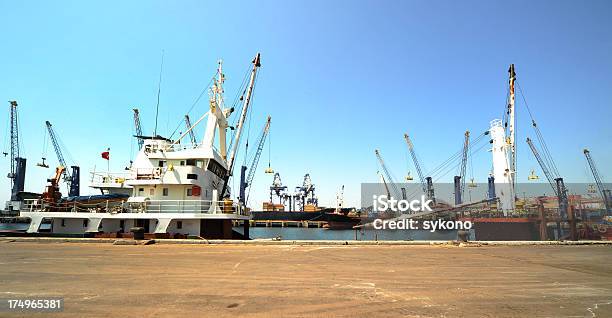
(104, 280)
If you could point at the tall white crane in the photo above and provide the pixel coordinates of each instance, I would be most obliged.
(511, 121)
(239, 127)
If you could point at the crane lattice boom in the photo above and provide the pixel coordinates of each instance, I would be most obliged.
(14, 140)
(598, 180)
(396, 191)
(138, 128)
(466, 145)
(417, 165)
(192, 136)
(543, 165)
(260, 145)
(58, 151)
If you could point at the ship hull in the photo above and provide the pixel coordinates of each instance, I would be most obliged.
(287, 216)
(505, 229)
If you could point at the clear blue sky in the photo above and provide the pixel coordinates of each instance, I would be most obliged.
(339, 78)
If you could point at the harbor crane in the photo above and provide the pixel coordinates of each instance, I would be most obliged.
(138, 128)
(305, 195)
(426, 182)
(384, 182)
(460, 179)
(277, 188)
(605, 193)
(246, 182)
(239, 127)
(555, 181)
(192, 136)
(396, 192)
(18, 164)
(72, 179)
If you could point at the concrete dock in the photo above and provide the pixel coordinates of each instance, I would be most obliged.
(163, 280)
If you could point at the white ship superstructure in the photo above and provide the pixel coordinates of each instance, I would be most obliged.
(504, 152)
(176, 188)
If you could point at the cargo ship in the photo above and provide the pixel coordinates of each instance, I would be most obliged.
(176, 189)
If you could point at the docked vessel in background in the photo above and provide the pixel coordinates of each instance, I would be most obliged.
(500, 214)
(302, 206)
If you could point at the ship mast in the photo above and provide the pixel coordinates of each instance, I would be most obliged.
(217, 115)
(245, 108)
(511, 123)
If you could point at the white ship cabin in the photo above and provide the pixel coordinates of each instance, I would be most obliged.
(164, 171)
(174, 188)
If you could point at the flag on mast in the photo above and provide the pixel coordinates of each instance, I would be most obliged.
(106, 154)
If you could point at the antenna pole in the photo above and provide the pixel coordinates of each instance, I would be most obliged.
(161, 68)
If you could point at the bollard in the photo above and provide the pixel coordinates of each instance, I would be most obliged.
(463, 235)
(138, 233)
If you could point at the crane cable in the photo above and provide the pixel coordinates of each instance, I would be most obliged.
(445, 167)
(547, 156)
(181, 122)
(253, 93)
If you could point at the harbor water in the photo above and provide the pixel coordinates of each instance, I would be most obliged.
(296, 233)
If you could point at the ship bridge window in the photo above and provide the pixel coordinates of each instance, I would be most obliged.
(191, 162)
(165, 192)
(200, 164)
(182, 163)
(192, 176)
(162, 163)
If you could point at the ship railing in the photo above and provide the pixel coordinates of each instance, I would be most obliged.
(140, 206)
(98, 177)
(179, 147)
(186, 206)
(149, 173)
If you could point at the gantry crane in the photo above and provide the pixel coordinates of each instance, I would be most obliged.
(72, 179)
(244, 183)
(192, 136)
(426, 182)
(605, 193)
(18, 164)
(138, 128)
